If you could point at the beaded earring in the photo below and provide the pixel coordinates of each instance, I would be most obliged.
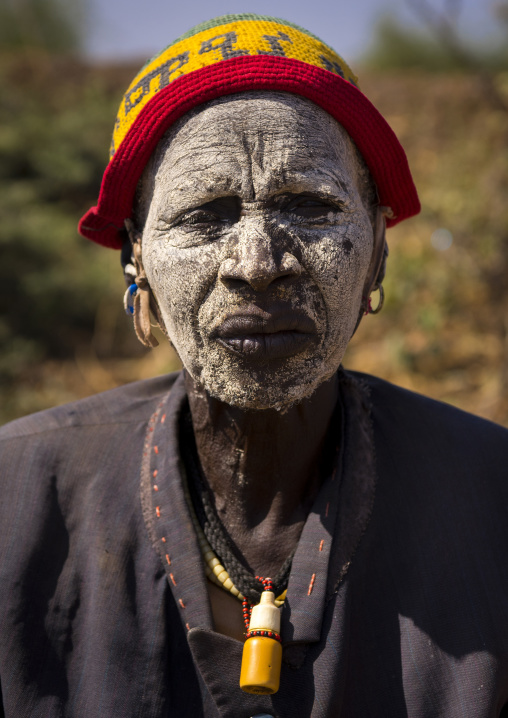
(137, 296)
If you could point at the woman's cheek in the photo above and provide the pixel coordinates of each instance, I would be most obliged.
(339, 264)
(334, 265)
(181, 279)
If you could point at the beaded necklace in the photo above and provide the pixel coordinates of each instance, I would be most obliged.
(217, 548)
(262, 650)
(214, 569)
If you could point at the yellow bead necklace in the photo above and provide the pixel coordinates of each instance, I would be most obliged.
(214, 570)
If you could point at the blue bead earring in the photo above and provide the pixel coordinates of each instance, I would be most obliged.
(128, 299)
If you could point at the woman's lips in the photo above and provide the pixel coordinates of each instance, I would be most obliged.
(262, 335)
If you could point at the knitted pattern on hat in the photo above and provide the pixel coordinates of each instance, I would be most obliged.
(231, 54)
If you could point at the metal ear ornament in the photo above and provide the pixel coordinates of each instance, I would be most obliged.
(375, 310)
(128, 299)
(381, 301)
(137, 296)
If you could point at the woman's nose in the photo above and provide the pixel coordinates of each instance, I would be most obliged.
(258, 259)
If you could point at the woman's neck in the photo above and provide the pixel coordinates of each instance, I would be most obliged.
(262, 468)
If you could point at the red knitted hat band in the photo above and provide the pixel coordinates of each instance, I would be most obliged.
(157, 108)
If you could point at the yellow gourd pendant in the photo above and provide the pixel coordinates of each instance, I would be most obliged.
(262, 651)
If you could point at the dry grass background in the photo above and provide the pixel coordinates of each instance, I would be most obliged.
(443, 331)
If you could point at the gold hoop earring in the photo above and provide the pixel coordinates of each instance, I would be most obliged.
(377, 309)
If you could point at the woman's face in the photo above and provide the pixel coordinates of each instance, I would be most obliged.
(257, 246)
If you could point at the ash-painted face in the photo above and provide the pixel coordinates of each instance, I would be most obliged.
(257, 246)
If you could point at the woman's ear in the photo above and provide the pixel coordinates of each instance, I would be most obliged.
(376, 271)
(143, 300)
(377, 267)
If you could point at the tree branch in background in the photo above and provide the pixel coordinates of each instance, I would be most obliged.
(443, 25)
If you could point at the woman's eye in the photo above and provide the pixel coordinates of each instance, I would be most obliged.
(310, 203)
(220, 211)
(311, 207)
(199, 217)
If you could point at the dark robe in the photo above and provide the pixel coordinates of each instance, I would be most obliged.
(397, 602)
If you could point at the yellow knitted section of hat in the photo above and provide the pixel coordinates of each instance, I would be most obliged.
(214, 45)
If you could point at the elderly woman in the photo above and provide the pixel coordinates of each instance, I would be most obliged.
(263, 534)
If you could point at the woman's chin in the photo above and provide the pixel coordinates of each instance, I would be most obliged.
(263, 390)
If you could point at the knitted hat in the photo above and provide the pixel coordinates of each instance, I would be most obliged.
(227, 55)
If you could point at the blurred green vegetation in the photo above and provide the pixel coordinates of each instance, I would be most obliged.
(398, 46)
(60, 294)
(54, 26)
(63, 333)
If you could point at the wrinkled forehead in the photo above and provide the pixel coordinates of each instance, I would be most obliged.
(256, 142)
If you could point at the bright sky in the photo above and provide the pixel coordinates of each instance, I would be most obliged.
(122, 29)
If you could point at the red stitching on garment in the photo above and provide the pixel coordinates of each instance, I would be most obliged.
(168, 559)
(311, 584)
(158, 511)
(155, 473)
(155, 487)
(172, 579)
(321, 544)
(163, 540)
(156, 449)
(327, 508)
(187, 626)
(182, 604)
(163, 418)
